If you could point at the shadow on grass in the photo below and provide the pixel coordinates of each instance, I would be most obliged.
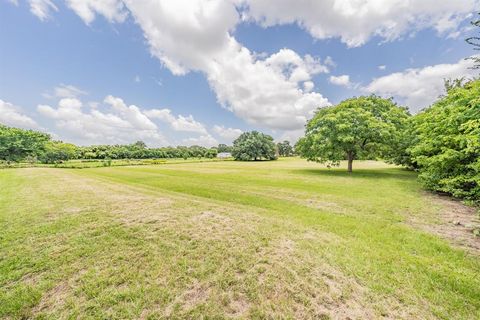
(390, 173)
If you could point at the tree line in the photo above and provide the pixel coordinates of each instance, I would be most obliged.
(32, 146)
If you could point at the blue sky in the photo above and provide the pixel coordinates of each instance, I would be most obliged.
(201, 72)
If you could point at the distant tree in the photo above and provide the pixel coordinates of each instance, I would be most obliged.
(475, 42)
(211, 153)
(254, 145)
(285, 149)
(140, 145)
(58, 151)
(355, 127)
(18, 144)
(224, 148)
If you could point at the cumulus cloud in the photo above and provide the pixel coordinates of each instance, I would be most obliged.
(118, 124)
(14, 116)
(195, 35)
(204, 140)
(419, 87)
(343, 80)
(178, 123)
(291, 135)
(42, 8)
(274, 91)
(355, 22)
(229, 134)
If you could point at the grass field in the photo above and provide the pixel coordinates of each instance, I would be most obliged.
(283, 239)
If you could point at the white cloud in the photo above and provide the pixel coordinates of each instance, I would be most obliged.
(131, 113)
(329, 62)
(308, 86)
(42, 8)
(419, 87)
(204, 140)
(86, 125)
(14, 2)
(13, 116)
(274, 91)
(382, 67)
(136, 79)
(178, 123)
(229, 134)
(355, 22)
(188, 35)
(64, 91)
(291, 135)
(112, 10)
(343, 80)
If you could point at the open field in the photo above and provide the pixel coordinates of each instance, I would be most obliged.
(229, 239)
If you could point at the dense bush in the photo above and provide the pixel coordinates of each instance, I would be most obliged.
(254, 145)
(447, 143)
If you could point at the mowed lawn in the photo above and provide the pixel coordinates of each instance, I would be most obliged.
(282, 239)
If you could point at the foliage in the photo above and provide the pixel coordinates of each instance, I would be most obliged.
(353, 129)
(285, 149)
(224, 148)
(254, 145)
(448, 147)
(58, 151)
(140, 151)
(18, 144)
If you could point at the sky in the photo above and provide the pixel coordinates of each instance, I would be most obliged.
(201, 72)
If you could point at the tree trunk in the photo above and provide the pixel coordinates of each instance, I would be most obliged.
(350, 160)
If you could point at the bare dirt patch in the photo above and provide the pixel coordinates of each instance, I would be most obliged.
(53, 298)
(454, 221)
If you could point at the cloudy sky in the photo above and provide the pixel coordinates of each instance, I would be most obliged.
(172, 72)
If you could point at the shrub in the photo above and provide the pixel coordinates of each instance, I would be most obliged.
(448, 147)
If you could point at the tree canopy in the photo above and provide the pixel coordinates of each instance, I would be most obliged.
(285, 149)
(254, 145)
(351, 129)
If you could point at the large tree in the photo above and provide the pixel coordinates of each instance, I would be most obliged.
(352, 129)
(254, 145)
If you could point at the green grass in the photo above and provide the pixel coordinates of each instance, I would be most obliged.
(283, 239)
